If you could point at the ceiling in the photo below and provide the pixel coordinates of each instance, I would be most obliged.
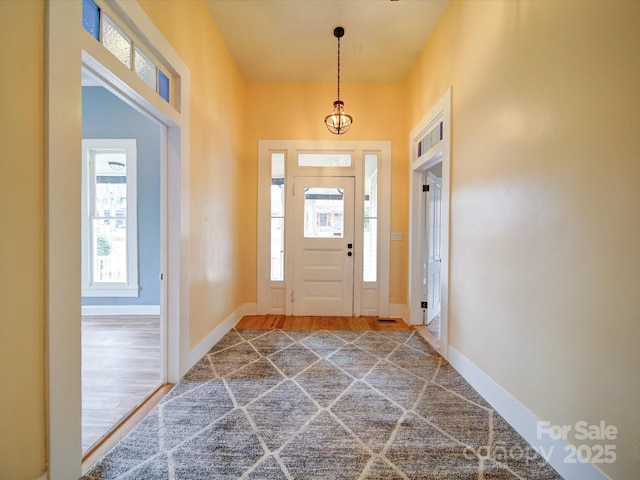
(292, 40)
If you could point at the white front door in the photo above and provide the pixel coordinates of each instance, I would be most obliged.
(434, 248)
(323, 246)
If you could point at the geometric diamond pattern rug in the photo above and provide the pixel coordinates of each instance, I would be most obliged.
(319, 404)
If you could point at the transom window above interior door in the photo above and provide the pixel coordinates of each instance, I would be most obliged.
(123, 44)
(324, 159)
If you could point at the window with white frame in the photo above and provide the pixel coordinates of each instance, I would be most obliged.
(370, 240)
(277, 216)
(109, 218)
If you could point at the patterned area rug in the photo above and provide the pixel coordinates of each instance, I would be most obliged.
(318, 404)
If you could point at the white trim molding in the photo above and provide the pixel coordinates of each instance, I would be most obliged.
(424, 156)
(398, 310)
(523, 420)
(69, 50)
(275, 297)
(105, 310)
(219, 331)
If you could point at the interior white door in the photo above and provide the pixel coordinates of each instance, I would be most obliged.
(434, 233)
(323, 246)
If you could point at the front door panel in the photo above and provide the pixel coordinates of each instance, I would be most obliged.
(323, 246)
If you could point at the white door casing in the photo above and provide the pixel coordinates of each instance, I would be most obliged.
(434, 245)
(323, 250)
(70, 48)
(369, 297)
(429, 145)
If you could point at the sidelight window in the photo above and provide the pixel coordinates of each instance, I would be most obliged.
(370, 245)
(277, 216)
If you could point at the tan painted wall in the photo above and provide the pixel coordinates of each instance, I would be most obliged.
(545, 233)
(296, 112)
(22, 395)
(545, 261)
(217, 102)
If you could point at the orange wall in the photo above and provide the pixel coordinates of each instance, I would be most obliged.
(293, 111)
(22, 295)
(217, 104)
(545, 232)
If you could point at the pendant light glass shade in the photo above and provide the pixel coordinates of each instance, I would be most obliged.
(338, 122)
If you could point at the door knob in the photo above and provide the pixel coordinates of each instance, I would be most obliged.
(349, 253)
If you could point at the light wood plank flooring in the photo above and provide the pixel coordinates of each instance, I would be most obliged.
(339, 323)
(321, 323)
(120, 369)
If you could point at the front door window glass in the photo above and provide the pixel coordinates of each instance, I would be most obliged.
(323, 212)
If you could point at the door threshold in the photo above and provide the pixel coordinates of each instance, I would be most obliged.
(431, 339)
(124, 426)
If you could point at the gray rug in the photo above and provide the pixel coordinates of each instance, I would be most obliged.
(317, 404)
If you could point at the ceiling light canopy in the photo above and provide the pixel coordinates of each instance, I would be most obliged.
(338, 121)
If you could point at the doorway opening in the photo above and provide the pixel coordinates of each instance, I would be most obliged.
(432, 250)
(70, 49)
(122, 321)
(429, 224)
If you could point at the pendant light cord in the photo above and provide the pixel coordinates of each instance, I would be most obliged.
(338, 68)
(338, 122)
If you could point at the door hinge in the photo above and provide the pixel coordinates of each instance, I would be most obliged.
(425, 188)
(423, 305)
(291, 296)
(162, 276)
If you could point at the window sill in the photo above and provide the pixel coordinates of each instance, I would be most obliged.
(111, 291)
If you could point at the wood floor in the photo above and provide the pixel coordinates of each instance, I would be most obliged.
(121, 363)
(120, 368)
(321, 323)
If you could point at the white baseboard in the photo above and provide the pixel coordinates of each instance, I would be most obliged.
(398, 310)
(220, 331)
(100, 310)
(249, 309)
(523, 420)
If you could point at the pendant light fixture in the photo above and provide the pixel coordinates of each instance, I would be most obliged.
(338, 122)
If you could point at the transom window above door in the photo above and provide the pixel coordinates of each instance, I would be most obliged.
(324, 159)
(125, 46)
